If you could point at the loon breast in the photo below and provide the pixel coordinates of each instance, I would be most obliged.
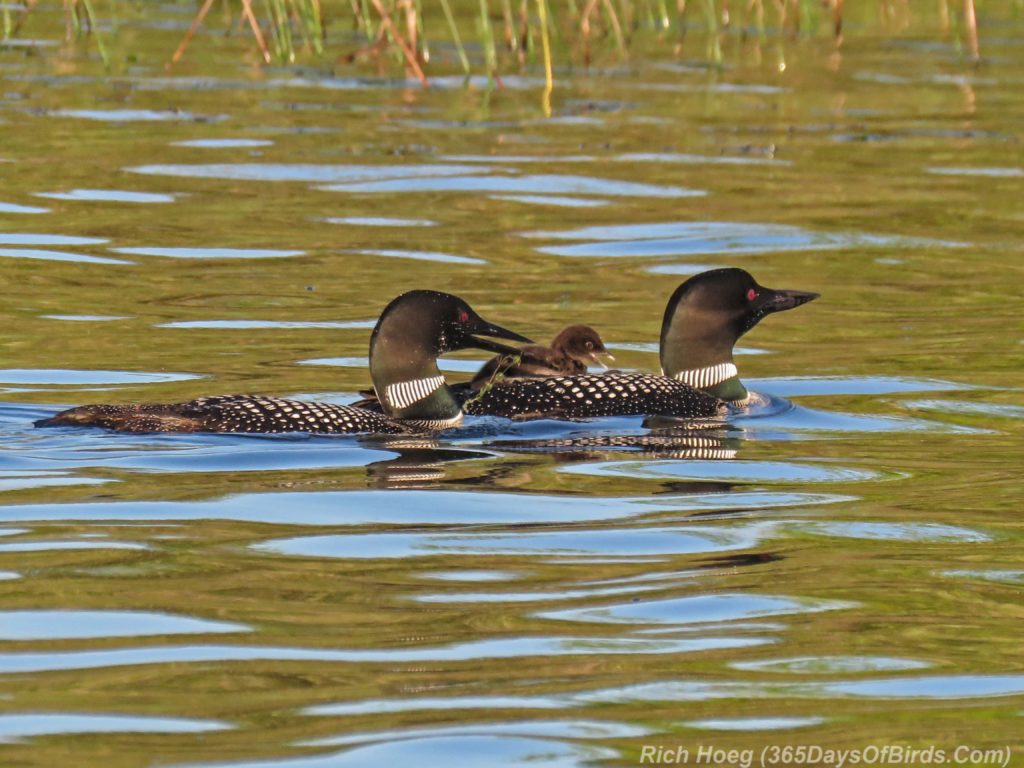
(594, 395)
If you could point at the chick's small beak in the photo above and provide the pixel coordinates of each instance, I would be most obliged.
(596, 356)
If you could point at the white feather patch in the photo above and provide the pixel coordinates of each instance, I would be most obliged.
(405, 393)
(702, 378)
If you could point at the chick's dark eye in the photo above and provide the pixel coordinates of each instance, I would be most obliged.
(590, 345)
(751, 294)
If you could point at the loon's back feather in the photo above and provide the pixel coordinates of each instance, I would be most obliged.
(534, 362)
(230, 413)
(594, 395)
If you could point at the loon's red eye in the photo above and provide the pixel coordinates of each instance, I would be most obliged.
(463, 316)
(751, 294)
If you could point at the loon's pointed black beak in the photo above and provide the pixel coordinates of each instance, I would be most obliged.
(777, 301)
(485, 328)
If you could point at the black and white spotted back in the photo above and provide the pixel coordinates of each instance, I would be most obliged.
(256, 413)
(594, 395)
(232, 413)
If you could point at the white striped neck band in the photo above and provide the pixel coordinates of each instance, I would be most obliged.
(702, 378)
(403, 394)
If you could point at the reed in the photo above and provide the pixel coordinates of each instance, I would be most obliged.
(456, 37)
(510, 34)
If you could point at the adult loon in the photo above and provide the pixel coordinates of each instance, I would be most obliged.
(413, 330)
(570, 352)
(704, 318)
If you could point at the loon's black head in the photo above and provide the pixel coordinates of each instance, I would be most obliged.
(706, 316)
(582, 343)
(412, 332)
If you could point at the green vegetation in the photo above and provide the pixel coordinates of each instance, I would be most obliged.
(506, 35)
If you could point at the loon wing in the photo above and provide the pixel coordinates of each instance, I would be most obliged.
(595, 395)
(232, 413)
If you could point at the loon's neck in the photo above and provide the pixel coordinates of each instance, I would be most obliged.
(704, 364)
(696, 348)
(720, 380)
(412, 332)
(411, 391)
(404, 348)
(730, 390)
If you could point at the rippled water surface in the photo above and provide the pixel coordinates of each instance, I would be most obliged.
(841, 567)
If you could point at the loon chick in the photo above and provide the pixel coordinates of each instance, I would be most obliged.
(704, 318)
(569, 353)
(413, 330)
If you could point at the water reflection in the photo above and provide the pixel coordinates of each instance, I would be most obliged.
(37, 239)
(937, 687)
(546, 184)
(312, 172)
(697, 609)
(560, 729)
(852, 385)
(224, 143)
(444, 258)
(675, 157)
(137, 115)
(790, 422)
(469, 574)
(892, 531)
(251, 325)
(665, 442)
(51, 255)
(453, 365)
(475, 749)
(559, 201)
(49, 545)
(211, 253)
(66, 624)
(108, 196)
(16, 481)
(734, 471)
(85, 318)
(380, 221)
(451, 507)
(418, 465)
(754, 723)
(823, 665)
(997, 173)
(518, 159)
(991, 574)
(17, 209)
(656, 543)
(513, 648)
(707, 237)
(425, 704)
(16, 726)
(956, 407)
(61, 376)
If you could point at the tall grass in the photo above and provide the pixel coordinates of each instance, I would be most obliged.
(509, 34)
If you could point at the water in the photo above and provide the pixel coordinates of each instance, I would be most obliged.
(841, 567)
